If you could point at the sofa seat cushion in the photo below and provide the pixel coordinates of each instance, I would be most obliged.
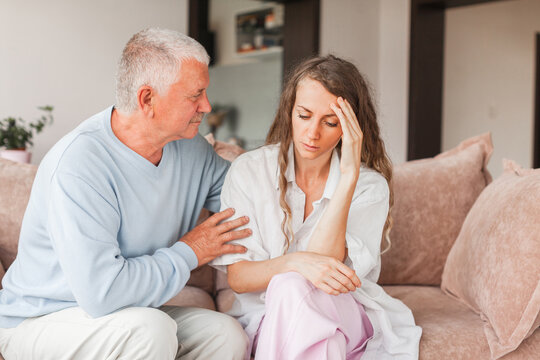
(193, 297)
(450, 329)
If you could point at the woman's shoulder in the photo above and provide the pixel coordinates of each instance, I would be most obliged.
(259, 162)
(371, 186)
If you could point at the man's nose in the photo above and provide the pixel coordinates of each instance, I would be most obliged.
(204, 106)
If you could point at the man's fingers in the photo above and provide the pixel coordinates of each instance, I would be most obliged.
(235, 235)
(232, 249)
(220, 216)
(233, 224)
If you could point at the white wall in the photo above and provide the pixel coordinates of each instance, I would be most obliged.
(489, 77)
(64, 53)
(394, 76)
(374, 35)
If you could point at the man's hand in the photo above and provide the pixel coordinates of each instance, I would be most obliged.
(210, 238)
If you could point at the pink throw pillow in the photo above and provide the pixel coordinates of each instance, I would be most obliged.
(432, 198)
(494, 266)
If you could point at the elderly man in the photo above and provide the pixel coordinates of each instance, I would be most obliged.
(109, 234)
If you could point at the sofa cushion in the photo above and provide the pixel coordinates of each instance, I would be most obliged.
(225, 299)
(432, 198)
(15, 184)
(194, 297)
(450, 329)
(494, 266)
(203, 277)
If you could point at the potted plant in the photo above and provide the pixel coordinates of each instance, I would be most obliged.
(16, 135)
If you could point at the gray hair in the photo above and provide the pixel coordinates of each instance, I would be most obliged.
(153, 57)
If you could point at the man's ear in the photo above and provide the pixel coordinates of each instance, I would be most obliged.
(145, 100)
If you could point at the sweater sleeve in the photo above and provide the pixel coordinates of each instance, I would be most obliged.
(216, 170)
(83, 225)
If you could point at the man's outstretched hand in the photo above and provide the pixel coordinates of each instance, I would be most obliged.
(210, 238)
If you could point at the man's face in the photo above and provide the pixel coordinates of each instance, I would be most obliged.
(179, 112)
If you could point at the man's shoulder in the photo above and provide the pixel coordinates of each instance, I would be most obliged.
(79, 148)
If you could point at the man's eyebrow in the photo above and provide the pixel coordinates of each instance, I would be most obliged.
(197, 92)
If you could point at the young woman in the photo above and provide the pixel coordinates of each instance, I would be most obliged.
(318, 199)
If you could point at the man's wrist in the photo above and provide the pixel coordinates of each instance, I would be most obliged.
(187, 254)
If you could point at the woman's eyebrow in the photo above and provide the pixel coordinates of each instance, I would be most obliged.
(305, 109)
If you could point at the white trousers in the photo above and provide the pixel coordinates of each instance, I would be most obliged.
(134, 333)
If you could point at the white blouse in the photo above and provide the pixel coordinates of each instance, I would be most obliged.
(252, 188)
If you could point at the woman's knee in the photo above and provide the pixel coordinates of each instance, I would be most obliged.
(287, 286)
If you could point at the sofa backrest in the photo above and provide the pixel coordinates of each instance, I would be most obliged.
(432, 198)
(15, 184)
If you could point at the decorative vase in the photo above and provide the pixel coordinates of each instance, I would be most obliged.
(21, 156)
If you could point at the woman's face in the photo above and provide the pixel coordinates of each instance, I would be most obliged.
(315, 127)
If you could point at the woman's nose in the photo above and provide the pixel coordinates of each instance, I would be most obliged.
(313, 130)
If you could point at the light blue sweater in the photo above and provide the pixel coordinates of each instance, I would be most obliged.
(102, 224)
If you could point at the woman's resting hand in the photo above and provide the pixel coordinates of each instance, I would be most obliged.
(325, 272)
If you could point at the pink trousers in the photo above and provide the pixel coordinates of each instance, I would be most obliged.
(303, 322)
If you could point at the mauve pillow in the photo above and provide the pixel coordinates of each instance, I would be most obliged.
(494, 266)
(431, 199)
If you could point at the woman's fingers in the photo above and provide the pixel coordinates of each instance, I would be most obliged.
(327, 289)
(345, 126)
(336, 285)
(351, 116)
(349, 273)
(346, 283)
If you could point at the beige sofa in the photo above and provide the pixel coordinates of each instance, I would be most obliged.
(451, 330)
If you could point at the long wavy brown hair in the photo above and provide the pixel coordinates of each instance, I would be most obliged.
(340, 78)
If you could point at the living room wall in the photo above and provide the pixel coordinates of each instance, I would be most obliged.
(489, 77)
(374, 35)
(64, 53)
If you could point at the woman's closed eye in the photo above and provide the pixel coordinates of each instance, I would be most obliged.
(303, 117)
(331, 124)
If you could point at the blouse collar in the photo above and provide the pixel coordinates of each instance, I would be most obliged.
(333, 175)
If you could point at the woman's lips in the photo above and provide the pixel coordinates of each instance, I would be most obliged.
(310, 148)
